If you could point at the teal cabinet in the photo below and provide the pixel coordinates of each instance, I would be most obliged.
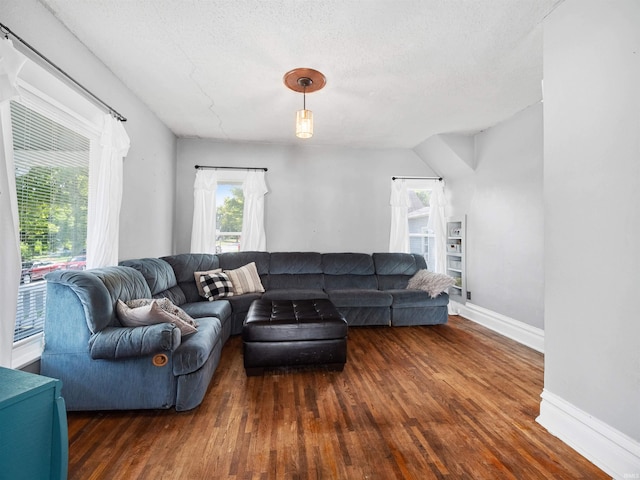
(33, 427)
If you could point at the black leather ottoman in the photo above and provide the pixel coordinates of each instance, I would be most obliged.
(282, 333)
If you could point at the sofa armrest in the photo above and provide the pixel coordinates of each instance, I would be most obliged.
(122, 342)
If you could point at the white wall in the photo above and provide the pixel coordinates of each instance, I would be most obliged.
(325, 199)
(506, 222)
(495, 178)
(146, 221)
(592, 209)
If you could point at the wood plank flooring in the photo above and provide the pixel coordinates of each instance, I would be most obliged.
(451, 401)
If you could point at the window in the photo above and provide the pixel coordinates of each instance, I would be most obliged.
(421, 237)
(52, 174)
(229, 210)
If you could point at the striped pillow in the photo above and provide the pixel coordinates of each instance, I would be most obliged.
(245, 279)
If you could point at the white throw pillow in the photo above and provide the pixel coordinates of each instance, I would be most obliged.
(432, 283)
(153, 313)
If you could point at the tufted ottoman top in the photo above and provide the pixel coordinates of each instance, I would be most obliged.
(293, 320)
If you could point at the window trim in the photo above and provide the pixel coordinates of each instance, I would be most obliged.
(29, 350)
(40, 102)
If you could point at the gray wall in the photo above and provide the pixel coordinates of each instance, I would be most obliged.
(146, 220)
(325, 199)
(495, 178)
(506, 220)
(592, 208)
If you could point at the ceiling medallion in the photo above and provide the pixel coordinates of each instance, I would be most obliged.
(304, 80)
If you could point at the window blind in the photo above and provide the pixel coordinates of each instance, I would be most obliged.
(52, 173)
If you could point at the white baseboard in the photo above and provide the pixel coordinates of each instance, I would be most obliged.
(615, 453)
(532, 337)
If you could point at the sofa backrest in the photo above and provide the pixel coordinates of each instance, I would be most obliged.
(234, 260)
(295, 270)
(160, 277)
(348, 270)
(395, 269)
(185, 265)
(173, 276)
(98, 290)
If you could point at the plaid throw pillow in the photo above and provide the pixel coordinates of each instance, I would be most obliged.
(216, 285)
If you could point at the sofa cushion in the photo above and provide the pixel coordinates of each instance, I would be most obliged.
(366, 316)
(393, 282)
(419, 316)
(116, 342)
(336, 282)
(233, 260)
(195, 349)
(158, 273)
(416, 298)
(241, 303)
(360, 298)
(97, 291)
(347, 264)
(184, 265)
(218, 308)
(395, 263)
(124, 283)
(174, 294)
(300, 281)
(295, 263)
(294, 294)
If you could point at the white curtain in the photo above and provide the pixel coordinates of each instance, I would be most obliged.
(203, 231)
(253, 235)
(105, 195)
(11, 61)
(399, 237)
(438, 223)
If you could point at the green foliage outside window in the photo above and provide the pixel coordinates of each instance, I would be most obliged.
(52, 185)
(52, 206)
(229, 214)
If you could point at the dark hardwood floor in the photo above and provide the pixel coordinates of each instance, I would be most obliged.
(451, 401)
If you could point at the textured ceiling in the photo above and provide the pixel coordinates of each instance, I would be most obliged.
(397, 71)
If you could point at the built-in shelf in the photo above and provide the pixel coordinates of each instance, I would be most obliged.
(456, 256)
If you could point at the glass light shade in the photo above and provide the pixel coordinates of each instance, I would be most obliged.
(304, 124)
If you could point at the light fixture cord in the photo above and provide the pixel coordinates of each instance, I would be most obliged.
(304, 97)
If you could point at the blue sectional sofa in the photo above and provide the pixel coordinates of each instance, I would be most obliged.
(106, 366)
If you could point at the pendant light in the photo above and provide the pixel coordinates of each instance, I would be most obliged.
(304, 117)
(304, 80)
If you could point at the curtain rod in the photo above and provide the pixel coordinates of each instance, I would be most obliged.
(232, 168)
(416, 178)
(7, 31)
